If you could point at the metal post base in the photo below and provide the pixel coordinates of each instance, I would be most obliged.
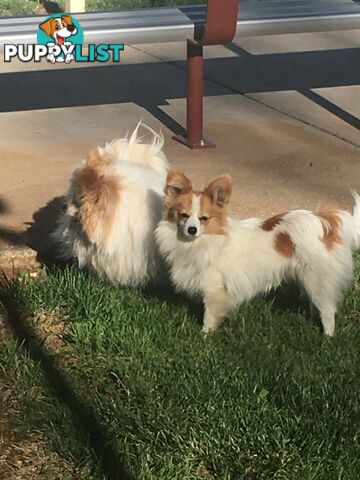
(204, 143)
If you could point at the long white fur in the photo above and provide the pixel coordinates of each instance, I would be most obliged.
(129, 256)
(227, 270)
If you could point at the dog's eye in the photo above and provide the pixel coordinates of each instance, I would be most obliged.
(57, 26)
(204, 218)
(184, 216)
(64, 24)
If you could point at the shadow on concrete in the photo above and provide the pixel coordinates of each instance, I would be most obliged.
(332, 108)
(8, 235)
(151, 85)
(38, 235)
(94, 435)
(4, 206)
(11, 236)
(305, 89)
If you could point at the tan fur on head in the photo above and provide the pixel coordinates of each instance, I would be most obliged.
(176, 184)
(217, 216)
(212, 215)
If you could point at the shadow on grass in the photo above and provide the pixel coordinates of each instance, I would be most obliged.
(287, 298)
(165, 293)
(38, 237)
(83, 415)
(291, 298)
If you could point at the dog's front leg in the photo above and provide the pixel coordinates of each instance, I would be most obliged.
(216, 304)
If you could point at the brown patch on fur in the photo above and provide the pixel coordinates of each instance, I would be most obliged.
(99, 198)
(176, 184)
(270, 223)
(98, 161)
(176, 205)
(178, 195)
(284, 245)
(214, 201)
(331, 222)
(218, 222)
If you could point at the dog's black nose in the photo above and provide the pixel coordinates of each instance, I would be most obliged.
(71, 28)
(192, 230)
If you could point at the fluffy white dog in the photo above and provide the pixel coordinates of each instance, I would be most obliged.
(113, 206)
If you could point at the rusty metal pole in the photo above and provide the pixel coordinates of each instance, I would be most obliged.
(195, 95)
(194, 100)
(219, 29)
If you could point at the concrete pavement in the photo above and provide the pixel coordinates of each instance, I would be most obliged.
(283, 111)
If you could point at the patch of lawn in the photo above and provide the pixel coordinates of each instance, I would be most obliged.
(122, 384)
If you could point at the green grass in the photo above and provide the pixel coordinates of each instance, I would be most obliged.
(134, 386)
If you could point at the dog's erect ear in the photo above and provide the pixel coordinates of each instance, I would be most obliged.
(177, 184)
(219, 190)
(67, 19)
(48, 26)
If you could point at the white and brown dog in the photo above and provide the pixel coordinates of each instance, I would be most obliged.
(60, 29)
(112, 208)
(228, 262)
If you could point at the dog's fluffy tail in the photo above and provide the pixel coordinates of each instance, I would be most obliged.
(132, 149)
(356, 218)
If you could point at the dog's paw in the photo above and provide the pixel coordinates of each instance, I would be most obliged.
(206, 329)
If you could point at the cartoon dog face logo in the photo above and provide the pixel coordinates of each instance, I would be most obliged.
(60, 29)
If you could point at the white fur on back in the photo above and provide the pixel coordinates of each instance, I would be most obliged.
(356, 216)
(148, 155)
